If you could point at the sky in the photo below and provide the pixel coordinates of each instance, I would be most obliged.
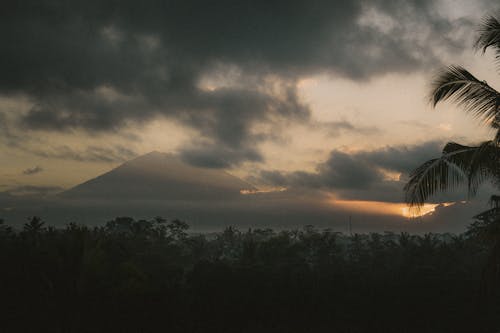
(325, 96)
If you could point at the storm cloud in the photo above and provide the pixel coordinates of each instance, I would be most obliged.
(362, 175)
(218, 67)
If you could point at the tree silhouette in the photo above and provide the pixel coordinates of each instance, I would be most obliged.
(460, 164)
(138, 275)
(34, 226)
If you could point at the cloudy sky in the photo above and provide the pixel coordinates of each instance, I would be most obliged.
(319, 95)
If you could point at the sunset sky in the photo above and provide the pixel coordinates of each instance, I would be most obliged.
(327, 96)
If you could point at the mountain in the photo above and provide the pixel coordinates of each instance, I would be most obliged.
(160, 176)
(159, 184)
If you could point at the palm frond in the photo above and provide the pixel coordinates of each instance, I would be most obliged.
(438, 175)
(477, 97)
(484, 164)
(458, 165)
(489, 36)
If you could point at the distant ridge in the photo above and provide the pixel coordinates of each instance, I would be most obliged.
(160, 176)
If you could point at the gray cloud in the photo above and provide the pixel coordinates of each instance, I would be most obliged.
(90, 154)
(33, 170)
(130, 42)
(402, 159)
(99, 66)
(340, 171)
(360, 175)
(212, 156)
(8, 135)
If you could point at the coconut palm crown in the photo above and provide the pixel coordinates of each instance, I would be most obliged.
(460, 164)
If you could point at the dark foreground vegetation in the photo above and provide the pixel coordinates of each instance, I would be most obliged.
(152, 276)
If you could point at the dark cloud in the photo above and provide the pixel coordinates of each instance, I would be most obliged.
(34, 144)
(213, 156)
(33, 170)
(8, 136)
(340, 171)
(402, 159)
(121, 41)
(361, 175)
(100, 65)
(90, 154)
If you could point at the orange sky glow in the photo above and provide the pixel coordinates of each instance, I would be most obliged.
(387, 208)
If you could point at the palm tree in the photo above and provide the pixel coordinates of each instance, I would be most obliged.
(459, 164)
(35, 225)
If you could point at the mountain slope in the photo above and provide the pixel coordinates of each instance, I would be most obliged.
(159, 176)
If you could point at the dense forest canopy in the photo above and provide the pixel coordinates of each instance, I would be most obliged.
(141, 275)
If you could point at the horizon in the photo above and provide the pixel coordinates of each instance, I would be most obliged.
(210, 200)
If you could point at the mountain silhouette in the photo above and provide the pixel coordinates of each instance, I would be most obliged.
(160, 176)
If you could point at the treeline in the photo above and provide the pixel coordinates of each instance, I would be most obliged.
(153, 276)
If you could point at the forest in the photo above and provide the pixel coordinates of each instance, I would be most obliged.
(154, 275)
